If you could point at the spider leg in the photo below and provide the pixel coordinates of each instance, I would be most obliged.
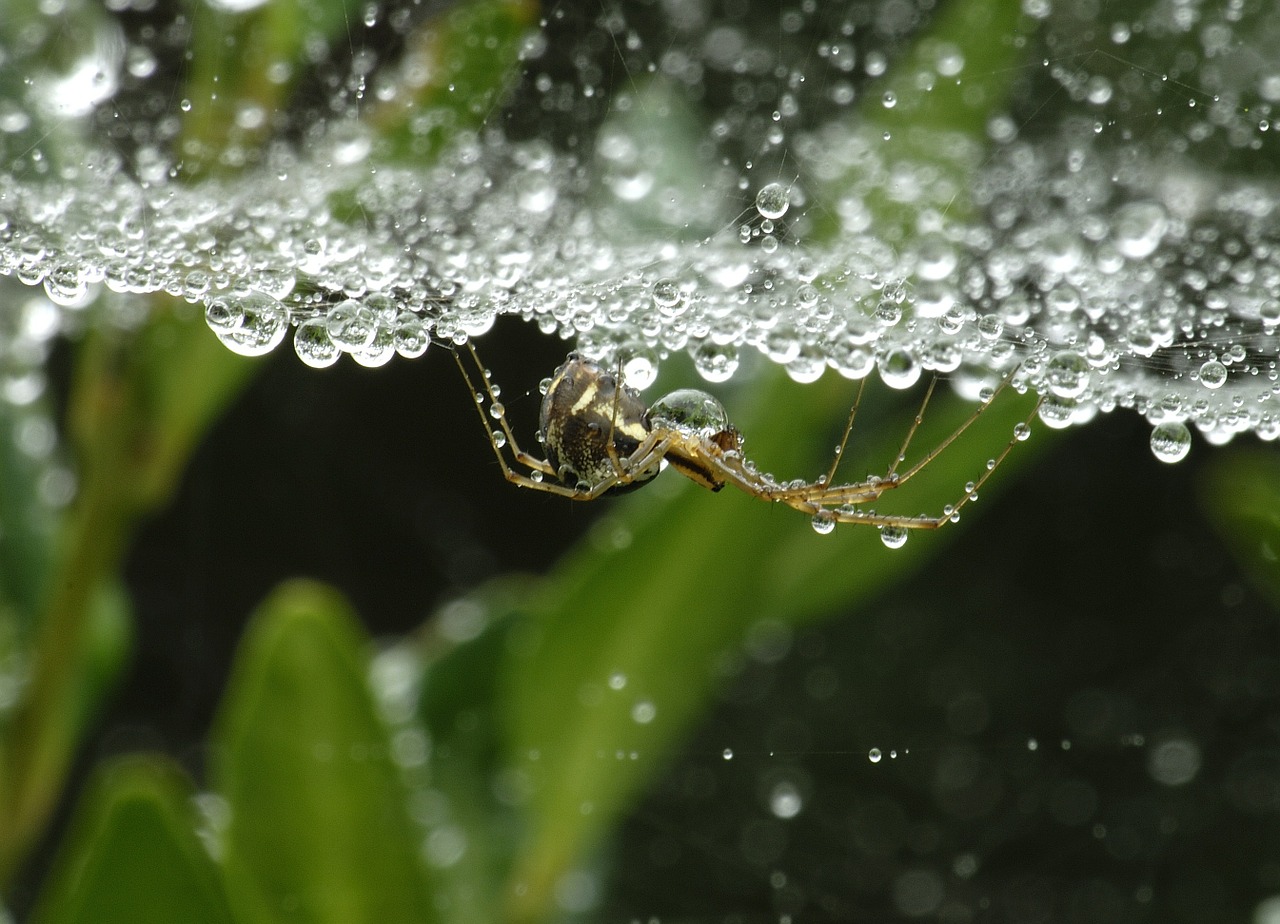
(537, 466)
(646, 455)
(953, 436)
(915, 425)
(614, 458)
(859, 492)
(846, 514)
(862, 491)
(524, 458)
(848, 429)
(839, 500)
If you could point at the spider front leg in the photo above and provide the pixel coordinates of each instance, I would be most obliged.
(540, 467)
(594, 432)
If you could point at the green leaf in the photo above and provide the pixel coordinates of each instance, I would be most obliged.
(939, 133)
(30, 526)
(1241, 495)
(237, 62)
(133, 856)
(474, 50)
(319, 829)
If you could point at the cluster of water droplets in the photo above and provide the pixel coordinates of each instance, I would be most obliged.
(1108, 276)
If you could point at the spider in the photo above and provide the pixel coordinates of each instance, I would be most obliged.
(600, 438)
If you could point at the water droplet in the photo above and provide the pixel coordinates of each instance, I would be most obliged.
(874, 755)
(936, 259)
(824, 521)
(1057, 412)
(689, 411)
(893, 537)
(380, 350)
(1170, 442)
(251, 325)
(643, 712)
(772, 201)
(1021, 431)
(1213, 374)
(314, 346)
(668, 297)
(716, 362)
(67, 286)
(640, 367)
(351, 325)
(411, 337)
(899, 368)
(1067, 374)
(889, 100)
(727, 754)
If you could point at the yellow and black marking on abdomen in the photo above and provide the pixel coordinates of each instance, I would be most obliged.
(582, 409)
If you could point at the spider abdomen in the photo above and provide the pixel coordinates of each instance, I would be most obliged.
(590, 426)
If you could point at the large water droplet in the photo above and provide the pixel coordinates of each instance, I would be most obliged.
(899, 368)
(772, 201)
(251, 324)
(824, 521)
(893, 537)
(1213, 374)
(314, 346)
(1068, 374)
(1170, 442)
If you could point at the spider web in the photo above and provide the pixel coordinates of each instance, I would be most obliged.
(1115, 236)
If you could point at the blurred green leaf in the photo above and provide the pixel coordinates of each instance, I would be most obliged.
(30, 525)
(1241, 494)
(245, 63)
(133, 856)
(457, 708)
(319, 828)
(941, 134)
(455, 69)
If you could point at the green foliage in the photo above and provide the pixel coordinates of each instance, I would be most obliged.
(133, 855)
(140, 402)
(309, 818)
(319, 831)
(1241, 494)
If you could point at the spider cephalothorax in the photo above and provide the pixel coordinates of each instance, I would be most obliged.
(599, 437)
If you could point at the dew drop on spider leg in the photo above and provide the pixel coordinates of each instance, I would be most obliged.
(893, 537)
(497, 410)
(824, 521)
(1021, 432)
(499, 438)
